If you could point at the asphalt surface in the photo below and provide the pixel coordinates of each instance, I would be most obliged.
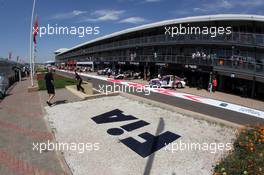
(216, 112)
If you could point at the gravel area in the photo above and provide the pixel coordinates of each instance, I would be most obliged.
(73, 123)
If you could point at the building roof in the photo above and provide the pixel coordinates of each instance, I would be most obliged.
(49, 61)
(60, 50)
(219, 17)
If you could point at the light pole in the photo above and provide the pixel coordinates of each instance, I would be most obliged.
(30, 44)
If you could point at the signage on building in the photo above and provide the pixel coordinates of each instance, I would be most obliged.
(191, 66)
(160, 64)
(134, 63)
(85, 62)
(121, 62)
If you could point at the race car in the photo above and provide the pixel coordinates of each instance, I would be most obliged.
(102, 71)
(168, 81)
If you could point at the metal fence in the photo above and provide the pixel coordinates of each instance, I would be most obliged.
(236, 38)
(242, 66)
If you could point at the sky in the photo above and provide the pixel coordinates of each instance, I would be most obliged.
(109, 15)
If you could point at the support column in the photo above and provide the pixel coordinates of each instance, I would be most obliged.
(254, 76)
(19, 75)
(255, 67)
(253, 87)
(145, 72)
(220, 82)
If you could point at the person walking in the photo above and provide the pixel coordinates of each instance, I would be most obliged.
(109, 72)
(79, 79)
(50, 85)
(214, 84)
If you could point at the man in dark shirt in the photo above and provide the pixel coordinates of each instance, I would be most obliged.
(50, 85)
(79, 79)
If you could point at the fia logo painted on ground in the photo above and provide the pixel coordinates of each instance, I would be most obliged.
(152, 143)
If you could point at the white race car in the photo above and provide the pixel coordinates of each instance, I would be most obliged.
(168, 81)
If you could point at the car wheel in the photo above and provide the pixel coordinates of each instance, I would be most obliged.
(179, 85)
(158, 85)
(154, 85)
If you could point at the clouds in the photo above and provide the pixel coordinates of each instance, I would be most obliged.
(68, 15)
(138, 11)
(133, 20)
(228, 5)
(222, 4)
(208, 7)
(105, 15)
(213, 6)
(113, 15)
(84, 16)
(249, 3)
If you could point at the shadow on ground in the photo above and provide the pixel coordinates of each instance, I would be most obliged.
(59, 102)
(152, 156)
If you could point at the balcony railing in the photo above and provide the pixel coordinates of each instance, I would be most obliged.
(233, 65)
(249, 39)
